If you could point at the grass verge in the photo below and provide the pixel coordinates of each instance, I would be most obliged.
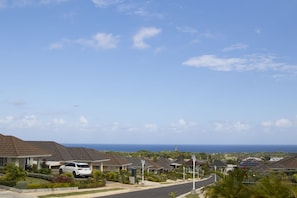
(78, 193)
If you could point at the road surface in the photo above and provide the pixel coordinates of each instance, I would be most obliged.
(162, 192)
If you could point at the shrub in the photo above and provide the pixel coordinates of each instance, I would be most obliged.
(63, 178)
(90, 183)
(14, 173)
(41, 176)
(112, 176)
(9, 183)
(124, 177)
(22, 185)
(156, 178)
(98, 175)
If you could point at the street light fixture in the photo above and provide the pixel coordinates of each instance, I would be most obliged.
(194, 163)
(142, 172)
(215, 169)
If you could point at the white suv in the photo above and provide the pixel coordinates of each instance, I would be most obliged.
(76, 168)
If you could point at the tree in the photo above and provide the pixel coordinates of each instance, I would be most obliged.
(274, 186)
(14, 173)
(229, 186)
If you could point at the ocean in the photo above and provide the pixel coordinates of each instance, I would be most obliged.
(189, 148)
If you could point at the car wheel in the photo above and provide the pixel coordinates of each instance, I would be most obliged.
(74, 174)
(60, 171)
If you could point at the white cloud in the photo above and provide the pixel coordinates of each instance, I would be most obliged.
(83, 120)
(98, 41)
(182, 124)
(142, 34)
(280, 123)
(151, 127)
(187, 29)
(25, 3)
(29, 121)
(231, 126)
(105, 3)
(7, 120)
(58, 45)
(247, 63)
(58, 121)
(237, 46)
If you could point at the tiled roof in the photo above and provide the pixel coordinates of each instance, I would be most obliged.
(165, 163)
(135, 162)
(286, 163)
(218, 163)
(11, 146)
(197, 163)
(116, 160)
(58, 151)
(86, 154)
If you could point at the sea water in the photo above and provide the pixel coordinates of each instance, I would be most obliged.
(188, 148)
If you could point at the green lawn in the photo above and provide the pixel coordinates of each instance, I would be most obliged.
(36, 180)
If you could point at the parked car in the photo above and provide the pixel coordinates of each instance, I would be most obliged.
(77, 169)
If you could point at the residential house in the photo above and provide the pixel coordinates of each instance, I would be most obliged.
(288, 164)
(94, 158)
(116, 163)
(219, 165)
(19, 152)
(62, 154)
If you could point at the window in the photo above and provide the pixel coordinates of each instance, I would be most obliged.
(3, 161)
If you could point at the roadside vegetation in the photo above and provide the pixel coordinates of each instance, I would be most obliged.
(245, 184)
(238, 183)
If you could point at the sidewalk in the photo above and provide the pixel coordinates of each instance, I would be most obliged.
(110, 185)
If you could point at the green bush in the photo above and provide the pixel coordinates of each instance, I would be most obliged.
(112, 176)
(50, 185)
(90, 183)
(156, 178)
(124, 177)
(98, 175)
(41, 176)
(22, 185)
(9, 183)
(45, 171)
(14, 173)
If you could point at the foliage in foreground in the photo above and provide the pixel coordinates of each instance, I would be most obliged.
(13, 174)
(274, 185)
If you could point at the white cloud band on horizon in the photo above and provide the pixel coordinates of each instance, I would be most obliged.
(280, 123)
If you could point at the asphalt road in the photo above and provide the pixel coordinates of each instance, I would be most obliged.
(163, 191)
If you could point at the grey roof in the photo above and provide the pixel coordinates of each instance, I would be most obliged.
(286, 163)
(219, 163)
(58, 151)
(116, 160)
(87, 155)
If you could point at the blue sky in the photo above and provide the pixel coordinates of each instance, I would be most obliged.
(149, 72)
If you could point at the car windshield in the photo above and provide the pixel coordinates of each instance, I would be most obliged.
(82, 165)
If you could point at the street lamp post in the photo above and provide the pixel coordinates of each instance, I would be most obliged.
(194, 163)
(215, 169)
(142, 172)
